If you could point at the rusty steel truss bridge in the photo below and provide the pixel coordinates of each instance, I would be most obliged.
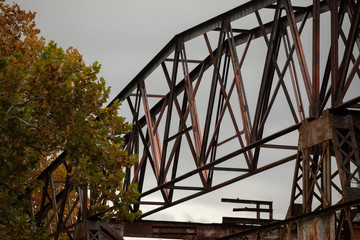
(264, 84)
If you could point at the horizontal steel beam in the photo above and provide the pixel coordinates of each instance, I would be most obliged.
(176, 230)
(296, 219)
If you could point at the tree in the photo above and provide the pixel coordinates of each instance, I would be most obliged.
(51, 102)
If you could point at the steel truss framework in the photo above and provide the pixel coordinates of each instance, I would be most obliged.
(183, 103)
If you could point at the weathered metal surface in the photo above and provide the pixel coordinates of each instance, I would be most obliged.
(88, 230)
(112, 231)
(337, 138)
(185, 122)
(319, 222)
(250, 222)
(322, 227)
(179, 230)
(96, 230)
(312, 133)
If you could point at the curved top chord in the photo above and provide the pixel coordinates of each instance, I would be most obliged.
(189, 34)
(266, 75)
(218, 93)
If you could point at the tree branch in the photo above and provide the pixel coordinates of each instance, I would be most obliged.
(23, 121)
(8, 117)
(23, 104)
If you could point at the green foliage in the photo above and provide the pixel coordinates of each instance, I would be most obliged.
(49, 103)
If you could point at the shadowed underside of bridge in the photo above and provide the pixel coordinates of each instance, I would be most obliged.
(264, 84)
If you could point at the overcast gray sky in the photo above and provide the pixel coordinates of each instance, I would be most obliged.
(124, 36)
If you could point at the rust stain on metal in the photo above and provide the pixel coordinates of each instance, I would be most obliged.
(321, 227)
(315, 132)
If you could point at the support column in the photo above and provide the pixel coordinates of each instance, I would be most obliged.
(87, 230)
(332, 137)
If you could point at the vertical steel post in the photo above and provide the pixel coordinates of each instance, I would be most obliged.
(334, 51)
(315, 104)
(212, 95)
